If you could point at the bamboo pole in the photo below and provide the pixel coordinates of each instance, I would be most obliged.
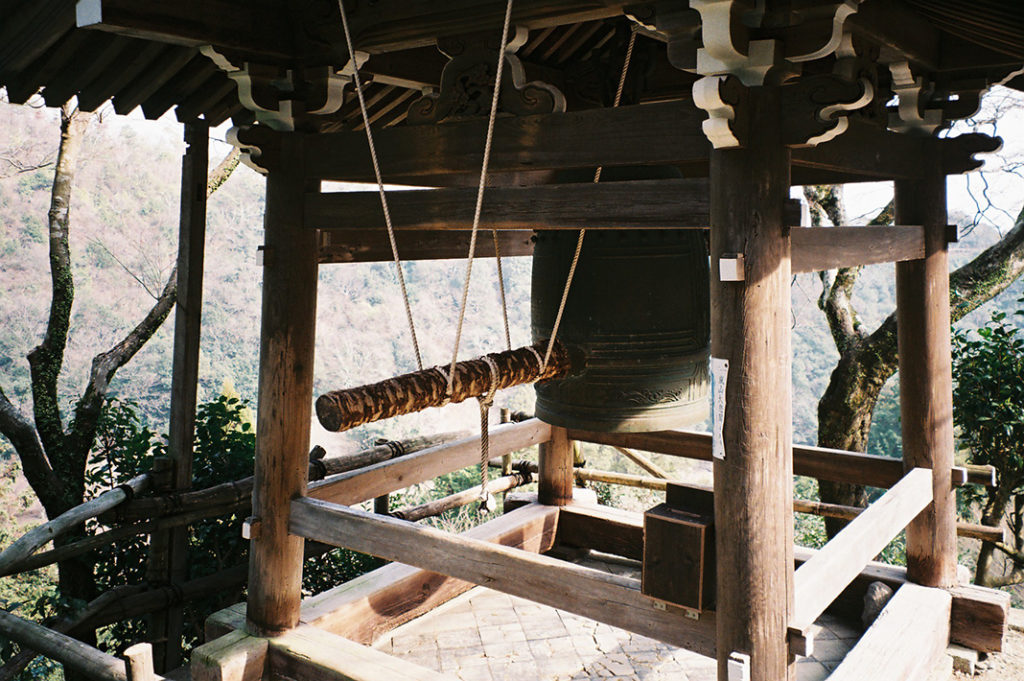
(12, 669)
(39, 536)
(240, 491)
(345, 409)
(73, 654)
(644, 462)
(460, 499)
(230, 497)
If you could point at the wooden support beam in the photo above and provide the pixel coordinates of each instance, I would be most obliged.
(750, 329)
(284, 409)
(365, 608)
(554, 474)
(979, 614)
(971, 530)
(591, 593)
(822, 463)
(644, 462)
(602, 528)
(311, 654)
(235, 656)
(641, 204)
(165, 629)
(665, 133)
(925, 366)
(905, 642)
(979, 617)
(352, 245)
(829, 248)
(388, 476)
(820, 580)
(651, 134)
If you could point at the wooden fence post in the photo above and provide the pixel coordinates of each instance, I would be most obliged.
(169, 555)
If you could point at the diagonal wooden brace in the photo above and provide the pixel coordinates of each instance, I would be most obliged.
(344, 409)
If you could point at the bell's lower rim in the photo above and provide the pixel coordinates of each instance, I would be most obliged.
(664, 417)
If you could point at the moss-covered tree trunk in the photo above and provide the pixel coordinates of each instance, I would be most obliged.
(53, 455)
(869, 359)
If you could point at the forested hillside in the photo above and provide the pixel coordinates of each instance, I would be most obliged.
(124, 221)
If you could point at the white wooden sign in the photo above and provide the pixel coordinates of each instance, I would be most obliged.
(719, 376)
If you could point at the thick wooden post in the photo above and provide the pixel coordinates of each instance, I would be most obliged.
(169, 556)
(750, 328)
(554, 471)
(285, 399)
(926, 383)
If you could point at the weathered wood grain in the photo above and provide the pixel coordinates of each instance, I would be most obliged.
(388, 476)
(829, 248)
(368, 606)
(284, 407)
(750, 328)
(821, 579)
(925, 367)
(592, 593)
(906, 640)
(640, 204)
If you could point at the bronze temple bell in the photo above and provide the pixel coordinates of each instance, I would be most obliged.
(638, 311)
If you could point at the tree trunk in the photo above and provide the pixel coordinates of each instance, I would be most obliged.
(867, 361)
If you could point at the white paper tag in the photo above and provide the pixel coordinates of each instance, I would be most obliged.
(719, 376)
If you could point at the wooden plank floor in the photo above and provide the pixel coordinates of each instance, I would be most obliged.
(484, 635)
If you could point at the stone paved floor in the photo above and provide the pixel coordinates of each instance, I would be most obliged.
(484, 635)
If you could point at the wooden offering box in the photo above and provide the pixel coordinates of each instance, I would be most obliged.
(679, 549)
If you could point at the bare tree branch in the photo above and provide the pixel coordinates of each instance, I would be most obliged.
(17, 428)
(222, 172)
(105, 365)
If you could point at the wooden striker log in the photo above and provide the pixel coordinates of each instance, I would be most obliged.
(345, 409)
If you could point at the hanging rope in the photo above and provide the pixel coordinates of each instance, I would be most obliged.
(480, 199)
(501, 289)
(583, 232)
(486, 499)
(380, 184)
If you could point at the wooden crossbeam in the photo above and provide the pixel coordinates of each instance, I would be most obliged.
(388, 476)
(591, 593)
(664, 133)
(820, 580)
(822, 463)
(647, 134)
(370, 605)
(906, 641)
(364, 245)
(826, 248)
(642, 204)
(979, 614)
